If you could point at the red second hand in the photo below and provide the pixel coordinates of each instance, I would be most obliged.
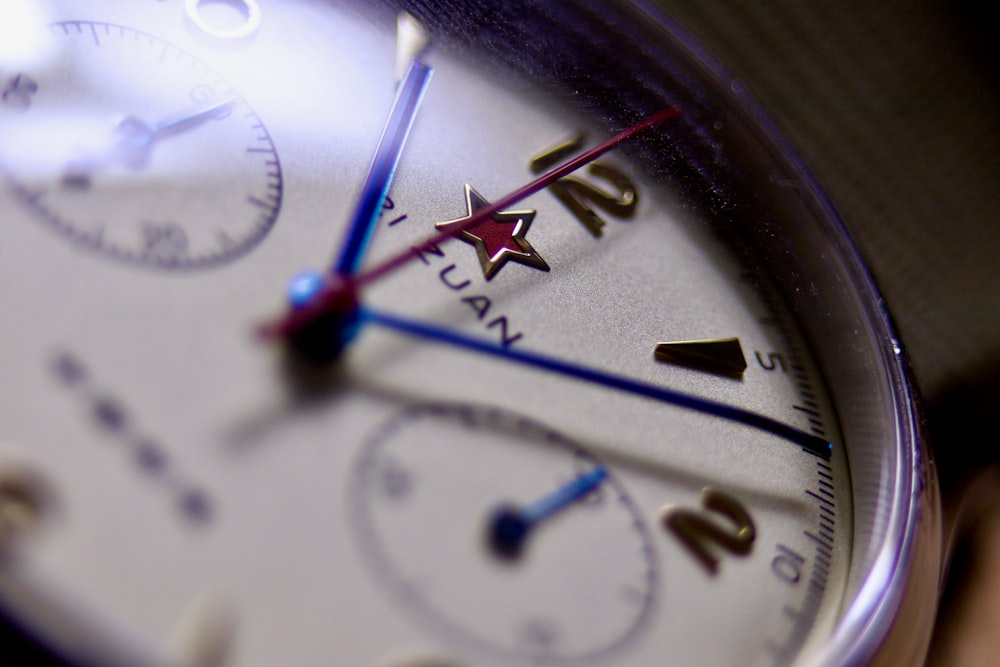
(340, 291)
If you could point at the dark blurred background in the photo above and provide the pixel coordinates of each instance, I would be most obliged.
(896, 108)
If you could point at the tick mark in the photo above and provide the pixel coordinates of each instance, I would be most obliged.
(110, 414)
(69, 369)
(120, 425)
(150, 457)
(196, 506)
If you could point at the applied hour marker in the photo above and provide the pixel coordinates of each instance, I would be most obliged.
(722, 356)
(206, 630)
(412, 40)
(25, 499)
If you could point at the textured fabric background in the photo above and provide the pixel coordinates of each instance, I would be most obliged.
(896, 107)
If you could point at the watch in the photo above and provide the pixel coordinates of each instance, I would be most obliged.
(435, 333)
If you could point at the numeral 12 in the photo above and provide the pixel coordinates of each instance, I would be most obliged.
(580, 196)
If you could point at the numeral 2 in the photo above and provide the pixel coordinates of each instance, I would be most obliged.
(703, 535)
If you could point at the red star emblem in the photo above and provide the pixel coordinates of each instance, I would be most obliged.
(498, 239)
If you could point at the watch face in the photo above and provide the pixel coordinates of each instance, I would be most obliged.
(647, 410)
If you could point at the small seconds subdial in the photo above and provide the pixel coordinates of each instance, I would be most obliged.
(537, 552)
(130, 146)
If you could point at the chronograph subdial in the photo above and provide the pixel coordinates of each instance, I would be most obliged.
(158, 161)
(582, 587)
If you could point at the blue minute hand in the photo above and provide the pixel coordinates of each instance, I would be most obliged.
(807, 441)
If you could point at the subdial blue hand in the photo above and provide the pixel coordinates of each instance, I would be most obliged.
(134, 139)
(809, 442)
(509, 526)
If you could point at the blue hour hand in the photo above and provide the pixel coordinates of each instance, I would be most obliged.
(383, 167)
(411, 42)
(303, 288)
